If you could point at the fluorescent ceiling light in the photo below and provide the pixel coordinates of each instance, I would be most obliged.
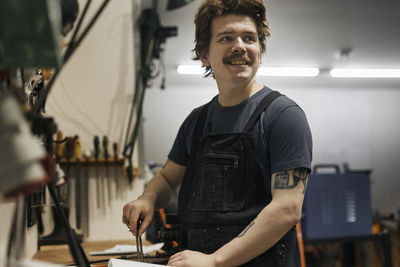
(365, 73)
(262, 71)
(190, 69)
(288, 72)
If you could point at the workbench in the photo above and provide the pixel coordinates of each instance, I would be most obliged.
(60, 254)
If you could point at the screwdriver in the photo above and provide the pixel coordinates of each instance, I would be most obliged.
(60, 175)
(116, 166)
(59, 146)
(106, 155)
(85, 211)
(69, 152)
(96, 157)
(78, 202)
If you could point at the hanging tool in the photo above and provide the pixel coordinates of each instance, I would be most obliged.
(106, 155)
(85, 188)
(148, 23)
(96, 158)
(78, 191)
(59, 146)
(116, 167)
(16, 242)
(60, 175)
(61, 189)
(69, 152)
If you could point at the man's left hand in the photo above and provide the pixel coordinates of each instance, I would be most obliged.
(189, 258)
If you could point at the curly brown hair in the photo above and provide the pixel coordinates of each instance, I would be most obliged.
(209, 9)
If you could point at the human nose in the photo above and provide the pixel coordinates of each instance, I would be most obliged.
(238, 45)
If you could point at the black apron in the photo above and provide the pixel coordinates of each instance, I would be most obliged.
(223, 190)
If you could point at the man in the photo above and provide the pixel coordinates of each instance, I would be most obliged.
(241, 161)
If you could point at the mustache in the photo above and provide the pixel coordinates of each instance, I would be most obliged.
(236, 56)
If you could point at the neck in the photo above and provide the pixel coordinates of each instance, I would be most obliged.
(232, 95)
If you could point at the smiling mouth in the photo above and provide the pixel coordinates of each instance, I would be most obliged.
(237, 61)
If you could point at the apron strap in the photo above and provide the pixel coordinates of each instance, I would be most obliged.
(268, 99)
(201, 121)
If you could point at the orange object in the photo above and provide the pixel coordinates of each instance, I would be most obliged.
(301, 245)
(59, 145)
(166, 225)
(376, 228)
(47, 73)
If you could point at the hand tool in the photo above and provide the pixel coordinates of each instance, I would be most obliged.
(61, 177)
(139, 244)
(69, 152)
(78, 192)
(116, 167)
(96, 157)
(106, 155)
(85, 226)
(59, 146)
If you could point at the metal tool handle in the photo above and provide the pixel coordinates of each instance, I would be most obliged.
(59, 145)
(96, 147)
(78, 148)
(139, 244)
(69, 148)
(105, 147)
(115, 150)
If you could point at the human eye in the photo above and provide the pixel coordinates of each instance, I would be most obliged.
(225, 38)
(250, 39)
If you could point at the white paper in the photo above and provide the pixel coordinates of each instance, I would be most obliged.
(126, 263)
(32, 263)
(126, 249)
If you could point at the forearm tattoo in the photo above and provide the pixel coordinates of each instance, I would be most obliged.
(246, 229)
(282, 179)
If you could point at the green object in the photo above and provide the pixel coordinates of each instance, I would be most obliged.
(173, 4)
(30, 33)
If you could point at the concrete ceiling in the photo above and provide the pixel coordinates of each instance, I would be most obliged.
(306, 33)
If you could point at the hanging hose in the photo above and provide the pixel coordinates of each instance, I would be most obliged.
(143, 76)
(301, 245)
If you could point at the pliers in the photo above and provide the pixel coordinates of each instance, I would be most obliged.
(139, 244)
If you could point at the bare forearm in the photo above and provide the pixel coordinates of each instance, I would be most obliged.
(164, 184)
(158, 190)
(261, 234)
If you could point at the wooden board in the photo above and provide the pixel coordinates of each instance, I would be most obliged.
(60, 254)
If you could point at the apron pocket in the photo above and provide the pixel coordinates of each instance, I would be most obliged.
(221, 184)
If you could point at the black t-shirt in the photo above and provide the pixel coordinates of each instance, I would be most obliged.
(282, 134)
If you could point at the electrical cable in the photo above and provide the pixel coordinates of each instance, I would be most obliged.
(40, 105)
(86, 30)
(71, 42)
(82, 127)
(77, 108)
(143, 76)
(163, 69)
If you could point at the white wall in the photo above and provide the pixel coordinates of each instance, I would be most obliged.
(353, 125)
(92, 96)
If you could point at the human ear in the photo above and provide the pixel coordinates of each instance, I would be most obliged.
(205, 61)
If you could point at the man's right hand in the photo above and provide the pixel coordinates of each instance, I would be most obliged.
(156, 194)
(139, 209)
